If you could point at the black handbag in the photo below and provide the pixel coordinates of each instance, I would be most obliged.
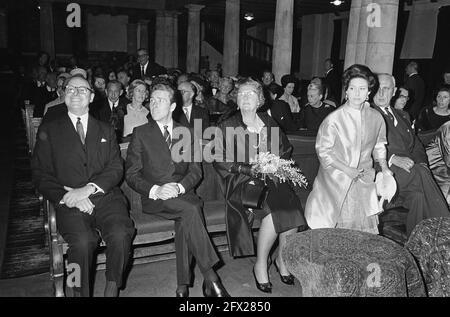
(254, 192)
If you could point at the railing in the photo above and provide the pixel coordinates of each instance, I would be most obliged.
(256, 49)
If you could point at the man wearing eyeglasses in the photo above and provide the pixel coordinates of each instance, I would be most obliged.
(146, 68)
(189, 112)
(167, 186)
(76, 165)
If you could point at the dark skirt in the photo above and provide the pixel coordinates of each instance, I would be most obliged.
(285, 207)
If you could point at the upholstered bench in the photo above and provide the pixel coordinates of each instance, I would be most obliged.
(430, 245)
(350, 263)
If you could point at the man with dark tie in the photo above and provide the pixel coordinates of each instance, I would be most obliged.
(189, 112)
(76, 165)
(417, 190)
(112, 109)
(166, 185)
(146, 68)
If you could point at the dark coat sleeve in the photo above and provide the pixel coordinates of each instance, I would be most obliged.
(281, 113)
(111, 175)
(134, 165)
(43, 173)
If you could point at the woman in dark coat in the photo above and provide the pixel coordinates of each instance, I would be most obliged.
(281, 211)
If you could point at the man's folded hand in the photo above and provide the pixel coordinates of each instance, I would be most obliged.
(85, 205)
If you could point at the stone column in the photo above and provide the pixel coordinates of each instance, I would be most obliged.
(166, 38)
(46, 28)
(231, 38)
(193, 38)
(143, 34)
(159, 37)
(371, 35)
(3, 29)
(132, 38)
(282, 43)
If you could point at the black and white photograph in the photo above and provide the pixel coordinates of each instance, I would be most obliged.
(252, 150)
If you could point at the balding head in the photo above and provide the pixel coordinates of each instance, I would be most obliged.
(79, 95)
(386, 90)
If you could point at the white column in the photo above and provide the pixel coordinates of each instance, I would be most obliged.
(370, 43)
(231, 38)
(193, 38)
(159, 37)
(282, 43)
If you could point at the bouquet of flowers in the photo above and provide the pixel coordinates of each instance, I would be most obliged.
(278, 169)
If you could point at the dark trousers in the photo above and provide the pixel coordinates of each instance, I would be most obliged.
(81, 231)
(420, 195)
(191, 236)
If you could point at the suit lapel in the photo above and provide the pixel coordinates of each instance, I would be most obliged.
(92, 136)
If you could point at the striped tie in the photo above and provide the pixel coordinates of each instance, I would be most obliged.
(80, 130)
(167, 137)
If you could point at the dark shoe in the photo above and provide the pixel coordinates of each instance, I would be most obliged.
(286, 279)
(183, 292)
(214, 289)
(263, 287)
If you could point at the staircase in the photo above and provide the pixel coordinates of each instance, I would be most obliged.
(254, 55)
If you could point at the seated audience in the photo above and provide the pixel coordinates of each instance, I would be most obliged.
(280, 111)
(167, 188)
(136, 114)
(431, 118)
(417, 190)
(146, 68)
(86, 197)
(400, 100)
(59, 91)
(288, 83)
(221, 102)
(315, 111)
(281, 211)
(99, 87)
(348, 142)
(112, 109)
(189, 111)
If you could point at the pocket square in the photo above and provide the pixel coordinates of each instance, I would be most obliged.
(103, 140)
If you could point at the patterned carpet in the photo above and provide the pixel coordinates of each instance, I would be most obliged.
(26, 246)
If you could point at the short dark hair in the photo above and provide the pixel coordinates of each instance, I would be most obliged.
(275, 89)
(445, 88)
(114, 82)
(287, 79)
(359, 71)
(164, 87)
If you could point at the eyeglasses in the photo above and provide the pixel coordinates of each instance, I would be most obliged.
(142, 55)
(249, 93)
(154, 100)
(185, 92)
(70, 90)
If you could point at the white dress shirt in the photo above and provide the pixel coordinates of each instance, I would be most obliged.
(152, 194)
(187, 111)
(84, 121)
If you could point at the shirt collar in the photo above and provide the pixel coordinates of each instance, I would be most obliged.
(169, 127)
(413, 74)
(84, 120)
(111, 104)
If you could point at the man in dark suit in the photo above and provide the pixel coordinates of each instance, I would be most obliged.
(416, 86)
(112, 109)
(189, 112)
(77, 166)
(333, 80)
(417, 190)
(166, 185)
(146, 68)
